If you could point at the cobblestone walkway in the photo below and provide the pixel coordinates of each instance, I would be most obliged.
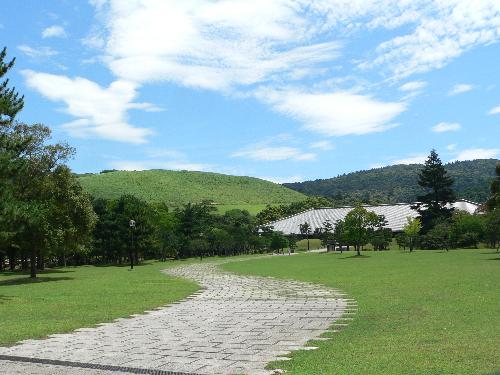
(233, 325)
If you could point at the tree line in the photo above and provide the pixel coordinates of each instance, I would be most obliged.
(439, 225)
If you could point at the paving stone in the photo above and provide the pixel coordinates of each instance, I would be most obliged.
(234, 325)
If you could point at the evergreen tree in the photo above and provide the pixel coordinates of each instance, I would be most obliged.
(10, 101)
(434, 205)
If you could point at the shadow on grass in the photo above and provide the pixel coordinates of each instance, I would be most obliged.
(4, 298)
(27, 280)
(46, 271)
(356, 256)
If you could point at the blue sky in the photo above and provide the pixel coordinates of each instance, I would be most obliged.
(283, 90)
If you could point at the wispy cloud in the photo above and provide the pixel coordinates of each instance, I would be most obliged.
(478, 153)
(35, 52)
(413, 86)
(494, 111)
(282, 180)
(438, 33)
(446, 127)
(100, 112)
(460, 89)
(55, 31)
(334, 114)
(274, 153)
(322, 145)
(141, 165)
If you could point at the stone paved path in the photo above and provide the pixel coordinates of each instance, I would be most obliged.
(233, 325)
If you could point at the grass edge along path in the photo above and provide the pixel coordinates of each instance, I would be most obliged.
(64, 299)
(429, 312)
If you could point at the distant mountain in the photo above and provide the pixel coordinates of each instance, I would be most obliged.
(178, 187)
(398, 183)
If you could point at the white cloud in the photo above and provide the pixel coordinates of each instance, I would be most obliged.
(478, 153)
(334, 114)
(417, 159)
(322, 145)
(494, 111)
(37, 52)
(282, 180)
(141, 165)
(446, 127)
(460, 89)
(451, 147)
(274, 153)
(211, 45)
(413, 86)
(438, 32)
(54, 31)
(412, 159)
(100, 112)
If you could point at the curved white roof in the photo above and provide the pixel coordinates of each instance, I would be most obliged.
(395, 214)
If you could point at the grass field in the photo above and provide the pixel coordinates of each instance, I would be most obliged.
(65, 299)
(429, 312)
(179, 187)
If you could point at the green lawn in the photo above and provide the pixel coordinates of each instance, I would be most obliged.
(65, 299)
(429, 312)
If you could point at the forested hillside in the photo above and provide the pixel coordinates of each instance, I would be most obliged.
(398, 183)
(178, 187)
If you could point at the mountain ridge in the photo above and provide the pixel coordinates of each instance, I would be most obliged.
(398, 183)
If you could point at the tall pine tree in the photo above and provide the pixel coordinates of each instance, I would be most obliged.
(434, 205)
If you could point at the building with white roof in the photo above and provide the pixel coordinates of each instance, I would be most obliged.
(395, 214)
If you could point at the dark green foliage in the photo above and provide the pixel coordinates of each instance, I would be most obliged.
(278, 241)
(275, 212)
(466, 230)
(433, 204)
(494, 200)
(398, 183)
(176, 188)
(10, 101)
(359, 226)
(437, 238)
(492, 228)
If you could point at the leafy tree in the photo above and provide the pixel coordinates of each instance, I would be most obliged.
(412, 231)
(32, 189)
(494, 201)
(438, 237)
(278, 241)
(339, 235)
(305, 230)
(358, 225)
(327, 232)
(71, 213)
(492, 228)
(433, 206)
(401, 240)
(466, 229)
(194, 220)
(381, 236)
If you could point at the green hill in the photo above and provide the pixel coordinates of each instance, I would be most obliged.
(178, 187)
(398, 183)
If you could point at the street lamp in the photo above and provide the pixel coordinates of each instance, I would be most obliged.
(131, 225)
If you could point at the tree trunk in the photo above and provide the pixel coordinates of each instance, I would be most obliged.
(33, 264)
(308, 247)
(358, 247)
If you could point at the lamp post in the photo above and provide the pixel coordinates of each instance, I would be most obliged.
(131, 225)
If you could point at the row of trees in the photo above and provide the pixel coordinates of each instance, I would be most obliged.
(43, 209)
(438, 227)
